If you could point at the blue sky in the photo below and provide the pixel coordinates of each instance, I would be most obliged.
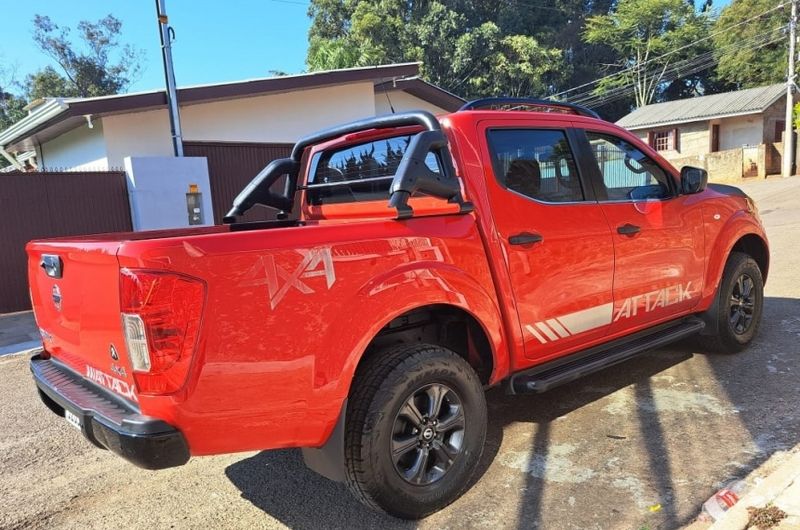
(215, 41)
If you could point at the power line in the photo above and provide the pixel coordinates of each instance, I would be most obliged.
(710, 35)
(701, 63)
(757, 39)
(678, 70)
(628, 91)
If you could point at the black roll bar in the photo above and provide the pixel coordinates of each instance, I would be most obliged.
(412, 174)
(423, 118)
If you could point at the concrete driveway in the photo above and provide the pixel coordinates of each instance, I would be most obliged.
(640, 445)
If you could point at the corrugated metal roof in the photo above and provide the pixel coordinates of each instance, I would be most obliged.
(748, 101)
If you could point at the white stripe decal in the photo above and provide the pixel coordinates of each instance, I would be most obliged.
(587, 319)
(558, 328)
(535, 333)
(547, 331)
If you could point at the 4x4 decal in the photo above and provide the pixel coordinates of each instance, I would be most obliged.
(316, 262)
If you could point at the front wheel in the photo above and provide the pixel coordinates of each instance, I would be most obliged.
(415, 429)
(740, 306)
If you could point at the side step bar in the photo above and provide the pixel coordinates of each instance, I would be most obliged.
(546, 376)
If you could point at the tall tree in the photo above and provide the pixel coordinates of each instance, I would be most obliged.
(656, 41)
(750, 46)
(461, 43)
(98, 66)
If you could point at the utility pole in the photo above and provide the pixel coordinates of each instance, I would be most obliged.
(167, 34)
(788, 137)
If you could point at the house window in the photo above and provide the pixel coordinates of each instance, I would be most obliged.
(663, 141)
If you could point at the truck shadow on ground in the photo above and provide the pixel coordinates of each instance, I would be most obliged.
(278, 482)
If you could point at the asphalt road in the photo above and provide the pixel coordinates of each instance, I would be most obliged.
(604, 452)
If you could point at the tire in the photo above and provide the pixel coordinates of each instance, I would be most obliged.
(737, 322)
(376, 425)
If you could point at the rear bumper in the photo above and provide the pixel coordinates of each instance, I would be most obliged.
(108, 421)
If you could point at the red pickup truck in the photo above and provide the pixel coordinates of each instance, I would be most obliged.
(414, 262)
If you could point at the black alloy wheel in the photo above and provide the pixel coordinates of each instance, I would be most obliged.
(428, 434)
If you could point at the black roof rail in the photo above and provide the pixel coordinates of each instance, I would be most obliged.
(529, 102)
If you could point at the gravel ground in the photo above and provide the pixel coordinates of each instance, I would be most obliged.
(640, 445)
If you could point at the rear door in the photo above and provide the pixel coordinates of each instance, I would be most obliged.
(556, 241)
(657, 233)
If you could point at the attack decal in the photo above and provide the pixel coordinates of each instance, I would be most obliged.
(564, 326)
(571, 324)
(648, 302)
(110, 382)
(316, 262)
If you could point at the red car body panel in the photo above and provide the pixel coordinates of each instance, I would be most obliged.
(289, 312)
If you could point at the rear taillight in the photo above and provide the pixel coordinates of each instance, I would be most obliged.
(161, 320)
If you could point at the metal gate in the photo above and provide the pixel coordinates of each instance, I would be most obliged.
(53, 204)
(231, 166)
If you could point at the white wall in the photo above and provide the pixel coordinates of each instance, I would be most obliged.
(277, 117)
(403, 101)
(272, 118)
(137, 134)
(743, 130)
(79, 149)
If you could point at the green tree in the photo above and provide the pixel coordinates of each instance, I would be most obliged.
(99, 66)
(462, 45)
(750, 49)
(654, 41)
(12, 109)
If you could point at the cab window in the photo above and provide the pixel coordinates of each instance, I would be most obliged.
(535, 163)
(360, 172)
(627, 173)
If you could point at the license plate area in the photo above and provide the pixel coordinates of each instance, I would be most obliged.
(72, 419)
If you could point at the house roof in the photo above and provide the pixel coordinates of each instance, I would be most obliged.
(425, 91)
(55, 116)
(727, 104)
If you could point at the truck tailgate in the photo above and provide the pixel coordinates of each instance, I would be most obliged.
(77, 309)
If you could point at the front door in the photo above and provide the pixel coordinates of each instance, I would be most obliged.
(657, 233)
(556, 241)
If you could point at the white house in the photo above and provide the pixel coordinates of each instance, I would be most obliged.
(238, 127)
(98, 133)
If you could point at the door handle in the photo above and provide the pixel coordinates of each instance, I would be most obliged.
(525, 238)
(628, 229)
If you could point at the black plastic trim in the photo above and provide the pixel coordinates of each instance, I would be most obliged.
(726, 189)
(328, 460)
(549, 375)
(107, 420)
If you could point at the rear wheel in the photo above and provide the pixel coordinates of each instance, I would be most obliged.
(415, 429)
(741, 304)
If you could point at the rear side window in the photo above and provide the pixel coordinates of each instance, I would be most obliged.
(536, 163)
(360, 172)
(628, 174)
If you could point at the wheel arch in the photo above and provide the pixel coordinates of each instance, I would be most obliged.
(755, 247)
(443, 324)
(740, 234)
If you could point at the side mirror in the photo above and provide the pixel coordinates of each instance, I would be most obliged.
(693, 180)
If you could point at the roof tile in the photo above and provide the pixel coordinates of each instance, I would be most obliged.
(748, 101)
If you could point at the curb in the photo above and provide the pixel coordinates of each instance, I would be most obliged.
(20, 348)
(764, 493)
